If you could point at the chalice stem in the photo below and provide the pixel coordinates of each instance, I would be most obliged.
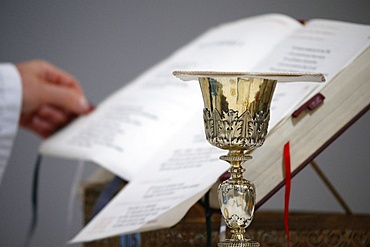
(237, 200)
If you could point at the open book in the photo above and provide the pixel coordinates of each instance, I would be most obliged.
(150, 132)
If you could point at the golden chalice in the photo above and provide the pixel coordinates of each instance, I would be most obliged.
(236, 116)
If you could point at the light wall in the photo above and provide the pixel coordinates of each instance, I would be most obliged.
(106, 44)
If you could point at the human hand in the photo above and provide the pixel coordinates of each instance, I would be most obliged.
(51, 97)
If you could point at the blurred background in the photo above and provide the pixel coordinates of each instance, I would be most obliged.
(106, 44)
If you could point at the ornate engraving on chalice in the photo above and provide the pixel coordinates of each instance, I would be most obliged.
(236, 115)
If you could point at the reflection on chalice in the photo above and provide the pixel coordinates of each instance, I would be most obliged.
(236, 116)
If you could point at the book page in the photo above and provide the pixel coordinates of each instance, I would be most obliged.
(163, 192)
(321, 46)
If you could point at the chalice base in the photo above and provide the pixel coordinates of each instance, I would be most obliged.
(245, 243)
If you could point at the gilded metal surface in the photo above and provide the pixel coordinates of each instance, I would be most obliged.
(238, 244)
(236, 116)
(237, 111)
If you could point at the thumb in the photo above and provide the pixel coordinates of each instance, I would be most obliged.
(66, 98)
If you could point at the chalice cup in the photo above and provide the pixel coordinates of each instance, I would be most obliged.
(236, 116)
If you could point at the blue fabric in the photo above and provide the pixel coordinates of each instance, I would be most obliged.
(108, 193)
(130, 240)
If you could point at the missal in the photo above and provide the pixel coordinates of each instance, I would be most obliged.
(150, 132)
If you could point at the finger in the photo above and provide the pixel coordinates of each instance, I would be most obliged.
(65, 98)
(54, 115)
(58, 76)
(42, 127)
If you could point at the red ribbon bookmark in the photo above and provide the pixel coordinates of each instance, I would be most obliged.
(287, 190)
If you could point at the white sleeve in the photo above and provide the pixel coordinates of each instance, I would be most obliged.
(10, 106)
